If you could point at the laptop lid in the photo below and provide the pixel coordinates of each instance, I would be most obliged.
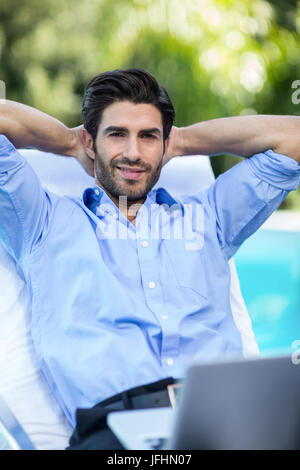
(240, 404)
(244, 404)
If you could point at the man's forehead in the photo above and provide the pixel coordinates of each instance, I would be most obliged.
(126, 114)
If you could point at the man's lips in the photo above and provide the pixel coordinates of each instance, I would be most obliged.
(130, 173)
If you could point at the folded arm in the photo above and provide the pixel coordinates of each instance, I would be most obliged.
(261, 182)
(240, 135)
(28, 127)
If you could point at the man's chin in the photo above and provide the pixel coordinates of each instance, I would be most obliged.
(133, 191)
(133, 196)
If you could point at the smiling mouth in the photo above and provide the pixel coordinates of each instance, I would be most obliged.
(130, 173)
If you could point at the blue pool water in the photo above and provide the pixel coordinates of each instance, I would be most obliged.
(268, 265)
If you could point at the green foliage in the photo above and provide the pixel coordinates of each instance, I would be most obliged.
(215, 57)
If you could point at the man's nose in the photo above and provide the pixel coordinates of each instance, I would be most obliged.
(132, 150)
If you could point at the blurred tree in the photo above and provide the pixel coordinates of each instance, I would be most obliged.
(215, 57)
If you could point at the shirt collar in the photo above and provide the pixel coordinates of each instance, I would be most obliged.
(93, 196)
(163, 197)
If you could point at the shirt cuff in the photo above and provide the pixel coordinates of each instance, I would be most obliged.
(276, 169)
(9, 156)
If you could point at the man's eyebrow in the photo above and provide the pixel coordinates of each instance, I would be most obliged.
(151, 130)
(109, 129)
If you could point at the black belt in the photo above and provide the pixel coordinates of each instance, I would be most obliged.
(147, 400)
(91, 430)
(154, 395)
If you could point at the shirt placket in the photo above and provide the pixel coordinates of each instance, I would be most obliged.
(153, 285)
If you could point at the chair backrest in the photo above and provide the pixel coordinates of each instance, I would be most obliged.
(22, 384)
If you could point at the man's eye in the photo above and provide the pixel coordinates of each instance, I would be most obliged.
(149, 136)
(116, 134)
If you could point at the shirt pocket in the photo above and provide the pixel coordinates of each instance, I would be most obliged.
(188, 266)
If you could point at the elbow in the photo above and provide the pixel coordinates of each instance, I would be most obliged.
(290, 147)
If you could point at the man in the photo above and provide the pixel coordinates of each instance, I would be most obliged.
(129, 285)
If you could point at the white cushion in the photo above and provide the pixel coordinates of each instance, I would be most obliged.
(22, 383)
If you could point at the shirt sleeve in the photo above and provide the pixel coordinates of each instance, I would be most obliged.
(247, 194)
(24, 205)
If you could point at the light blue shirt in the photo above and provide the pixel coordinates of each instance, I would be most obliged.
(116, 306)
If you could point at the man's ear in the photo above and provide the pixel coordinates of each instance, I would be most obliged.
(166, 155)
(88, 143)
(166, 144)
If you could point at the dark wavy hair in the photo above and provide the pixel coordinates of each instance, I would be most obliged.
(134, 85)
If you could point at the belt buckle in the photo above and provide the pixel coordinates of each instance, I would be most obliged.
(172, 394)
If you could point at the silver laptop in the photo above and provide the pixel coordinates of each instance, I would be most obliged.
(12, 435)
(240, 404)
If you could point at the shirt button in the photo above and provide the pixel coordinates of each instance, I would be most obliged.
(115, 215)
(170, 361)
(151, 285)
(145, 244)
(100, 212)
(97, 192)
(164, 317)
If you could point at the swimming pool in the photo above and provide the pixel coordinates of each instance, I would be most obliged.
(268, 265)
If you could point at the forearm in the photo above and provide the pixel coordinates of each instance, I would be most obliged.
(27, 127)
(241, 135)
